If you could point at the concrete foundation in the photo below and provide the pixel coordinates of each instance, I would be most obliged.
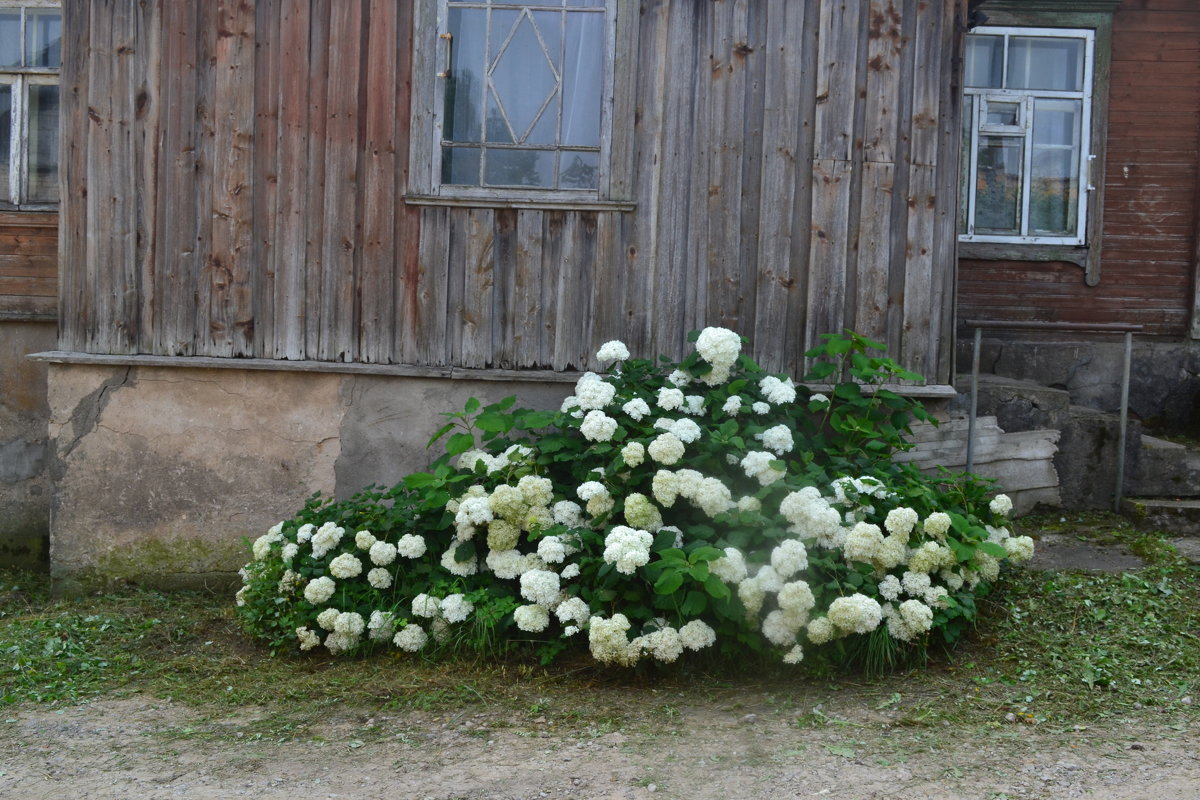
(1164, 376)
(160, 473)
(24, 483)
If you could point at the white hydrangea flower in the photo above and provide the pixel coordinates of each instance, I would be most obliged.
(608, 641)
(424, 605)
(855, 614)
(693, 404)
(757, 465)
(540, 586)
(593, 392)
(290, 551)
(345, 566)
(569, 571)
(889, 587)
(350, 623)
(697, 635)
(328, 618)
(777, 391)
(532, 619)
(1001, 504)
(641, 513)
(818, 399)
(751, 593)
(382, 553)
(462, 569)
(952, 579)
(678, 545)
(633, 454)
(733, 405)
(687, 430)
(821, 630)
(536, 490)
(794, 656)
(262, 545)
(570, 405)
(900, 522)
(749, 503)
(381, 626)
(411, 545)
(568, 513)
(789, 557)
(304, 532)
(364, 539)
(863, 542)
(777, 439)
(627, 549)
(589, 489)
(379, 578)
(663, 645)
(796, 598)
(768, 579)
(760, 407)
(308, 639)
(288, 581)
(937, 523)
(719, 346)
(506, 502)
(319, 590)
(551, 550)
(712, 497)
(456, 608)
(666, 449)
(1020, 548)
(475, 510)
(325, 539)
(730, 567)
(636, 408)
(598, 427)
(573, 609)
(917, 615)
(930, 557)
(937, 597)
(669, 399)
(612, 351)
(679, 379)
(665, 487)
(506, 564)
(780, 629)
(915, 583)
(411, 639)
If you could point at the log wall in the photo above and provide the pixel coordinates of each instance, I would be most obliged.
(235, 175)
(28, 265)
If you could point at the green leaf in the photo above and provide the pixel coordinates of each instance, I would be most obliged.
(993, 549)
(472, 405)
(669, 582)
(493, 422)
(695, 604)
(460, 443)
(716, 588)
(418, 480)
(699, 571)
(442, 431)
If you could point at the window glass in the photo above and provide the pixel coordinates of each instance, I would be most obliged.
(43, 144)
(6, 120)
(519, 167)
(998, 184)
(43, 38)
(1001, 113)
(985, 62)
(10, 38)
(583, 76)
(1045, 63)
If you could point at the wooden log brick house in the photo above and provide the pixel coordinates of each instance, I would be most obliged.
(292, 231)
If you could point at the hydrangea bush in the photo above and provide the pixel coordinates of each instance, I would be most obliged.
(665, 507)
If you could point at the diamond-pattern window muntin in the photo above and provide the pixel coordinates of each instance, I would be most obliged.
(519, 101)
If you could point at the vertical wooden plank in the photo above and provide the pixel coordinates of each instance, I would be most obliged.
(175, 251)
(289, 256)
(423, 59)
(148, 111)
(73, 308)
(928, 76)
(526, 312)
(784, 163)
(315, 231)
(340, 222)
(265, 182)
(376, 271)
(427, 290)
(837, 71)
(407, 218)
(874, 250)
(754, 38)
(885, 44)
(229, 269)
(553, 268)
(828, 252)
(476, 309)
(725, 125)
(623, 141)
(208, 286)
(455, 267)
(610, 273)
(506, 319)
(918, 278)
(695, 267)
(573, 300)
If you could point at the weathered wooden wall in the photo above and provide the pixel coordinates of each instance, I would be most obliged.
(795, 171)
(28, 265)
(1152, 187)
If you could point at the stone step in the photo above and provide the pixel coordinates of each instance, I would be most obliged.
(1017, 405)
(1164, 469)
(1180, 517)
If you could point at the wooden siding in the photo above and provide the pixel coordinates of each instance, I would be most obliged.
(1151, 192)
(28, 265)
(792, 164)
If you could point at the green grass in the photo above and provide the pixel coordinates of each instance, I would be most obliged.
(1064, 648)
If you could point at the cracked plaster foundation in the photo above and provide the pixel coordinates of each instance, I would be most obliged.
(160, 473)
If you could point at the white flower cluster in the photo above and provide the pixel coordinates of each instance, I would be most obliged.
(720, 348)
(627, 549)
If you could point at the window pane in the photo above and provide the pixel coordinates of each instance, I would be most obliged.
(998, 185)
(43, 144)
(519, 168)
(1045, 63)
(984, 63)
(43, 38)
(6, 121)
(1002, 113)
(460, 166)
(463, 118)
(1057, 122)
(583, 80)
(579, 170)
(10, 39)
(524, 79)
(1054, 192)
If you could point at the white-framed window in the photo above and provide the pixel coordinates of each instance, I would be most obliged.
(519, 99)
(1027, 122)
(30, 61)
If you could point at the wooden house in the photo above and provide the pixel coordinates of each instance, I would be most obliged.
(292, 231)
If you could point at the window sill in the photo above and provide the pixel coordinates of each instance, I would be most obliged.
(995, 251)
(547, 204)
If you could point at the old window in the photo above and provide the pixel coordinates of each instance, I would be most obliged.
(514, 101)
(1026, 128)
(30, 59)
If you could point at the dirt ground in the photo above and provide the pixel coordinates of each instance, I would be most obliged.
(116, 749)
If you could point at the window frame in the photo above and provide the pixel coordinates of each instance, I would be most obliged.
(1025, 100)
(614, 188)
(1096, 15)
(21, 78)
